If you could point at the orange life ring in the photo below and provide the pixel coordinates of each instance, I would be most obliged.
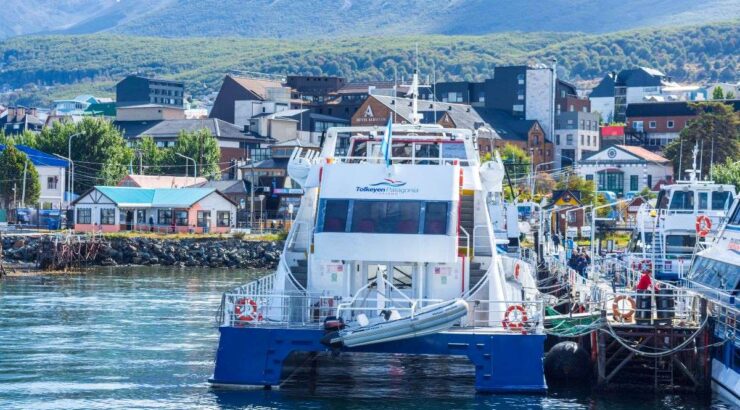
(703, 225)
(616, 309)
(245, 314)
(515, 324)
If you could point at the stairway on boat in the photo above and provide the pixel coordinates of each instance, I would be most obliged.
(476, 273)
(467, 222)
(300, 272)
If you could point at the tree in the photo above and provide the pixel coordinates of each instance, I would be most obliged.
(99, 152)
(153, 158)
(716, 132)
(202, 147)
(730, 95)
(647, 193)
(14, 164)
(516, 161)
(727, 173)
(27, 138)
(717, 93)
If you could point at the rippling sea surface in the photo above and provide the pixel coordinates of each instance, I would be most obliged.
(145, 337)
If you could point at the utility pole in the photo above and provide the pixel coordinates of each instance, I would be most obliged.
(25, 172)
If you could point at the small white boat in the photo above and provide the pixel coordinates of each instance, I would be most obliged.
(392, 326)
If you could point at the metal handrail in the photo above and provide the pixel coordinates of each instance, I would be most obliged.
(467, 241)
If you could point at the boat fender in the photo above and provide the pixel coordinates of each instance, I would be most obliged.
(703, 225)
(519, 319)
(246, 310)
(333, 323)
(618, 311)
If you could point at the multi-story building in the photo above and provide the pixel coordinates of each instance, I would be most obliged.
(615, 92)
(138, 90)
(655, 124)
(576, 136)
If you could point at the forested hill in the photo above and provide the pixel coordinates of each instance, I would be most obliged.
(350, 18)
(698, 53)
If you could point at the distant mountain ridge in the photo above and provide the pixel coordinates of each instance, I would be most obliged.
(349, 18)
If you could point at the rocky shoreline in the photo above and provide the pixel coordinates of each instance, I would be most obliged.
(206, 252)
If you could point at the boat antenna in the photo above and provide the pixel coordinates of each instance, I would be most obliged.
(701, 158)
(711, 159)
(434, 90)
(414, 92)
(693, 171)
(680, 159)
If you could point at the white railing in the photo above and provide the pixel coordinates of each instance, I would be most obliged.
(405, 160)
(481, 241)
(467, 241)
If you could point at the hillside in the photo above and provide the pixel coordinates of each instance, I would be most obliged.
(349, 18)
(688, 54)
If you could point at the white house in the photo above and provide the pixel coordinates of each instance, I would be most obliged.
(625, 168)
(52, 177)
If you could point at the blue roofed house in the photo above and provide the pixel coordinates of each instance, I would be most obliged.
(52, 177)
(115, 209)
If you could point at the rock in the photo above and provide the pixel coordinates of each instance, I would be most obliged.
(108, 262)
(19, 244)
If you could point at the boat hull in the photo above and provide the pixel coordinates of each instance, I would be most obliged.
(504, 363)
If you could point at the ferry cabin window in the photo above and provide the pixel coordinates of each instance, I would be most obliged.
(662, 200)
(735, 218)
(398, 217)
(716, 274)
(680, 243)
(703, 200)
(720, 200)
(453, 150)
(435, 218)
(335, 215)
(682, 201)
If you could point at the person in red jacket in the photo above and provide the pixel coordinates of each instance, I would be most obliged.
(645, 282)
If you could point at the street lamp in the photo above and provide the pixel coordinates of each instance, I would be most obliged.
(195, 167)
(262, 218)
(72, 170)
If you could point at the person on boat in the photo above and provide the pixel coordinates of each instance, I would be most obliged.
(646, 282)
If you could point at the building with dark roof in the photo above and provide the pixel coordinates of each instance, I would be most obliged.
(138, 90)
(233, 142)
(236, 88)
(17, 120)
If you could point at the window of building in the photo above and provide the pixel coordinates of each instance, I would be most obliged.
(670, 124)
(569, 139)
(335, 215)
(721, 200)
(557, 139)
(181, 218)
(51, 182)
(589, 177)
(652, 124)
(107, 216)
(650, 181)
(520, 95)
(84, 215)
(520, 79)
(536, 140)
(164, 217)
(637, 125)
(634, 182)
(223, 219)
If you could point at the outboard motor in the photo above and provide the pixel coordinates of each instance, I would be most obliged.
(332, 326)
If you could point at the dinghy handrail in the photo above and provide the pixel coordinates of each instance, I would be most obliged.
(347, 305)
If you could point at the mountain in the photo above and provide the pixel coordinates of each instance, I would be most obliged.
(92, 63)
(301, 19)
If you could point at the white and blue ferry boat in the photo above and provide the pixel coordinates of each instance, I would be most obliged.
(393, 250)
(715, 273)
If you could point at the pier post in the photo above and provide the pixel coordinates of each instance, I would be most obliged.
(601, 355)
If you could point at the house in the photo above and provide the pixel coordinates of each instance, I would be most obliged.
(101, 109)
(139, 90)
(115, 209)
(76, 106)
(625, 168)
(655, 124)
(290, 124)
(576, 136)
(616, 91)
(159, 181)
(238, 191)
(52, 176)
(232, 141)
(525, 134)
(245, 89)
(568, 214)
(526, 92)
(19, 119)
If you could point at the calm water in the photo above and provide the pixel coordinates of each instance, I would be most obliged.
(122, 338)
